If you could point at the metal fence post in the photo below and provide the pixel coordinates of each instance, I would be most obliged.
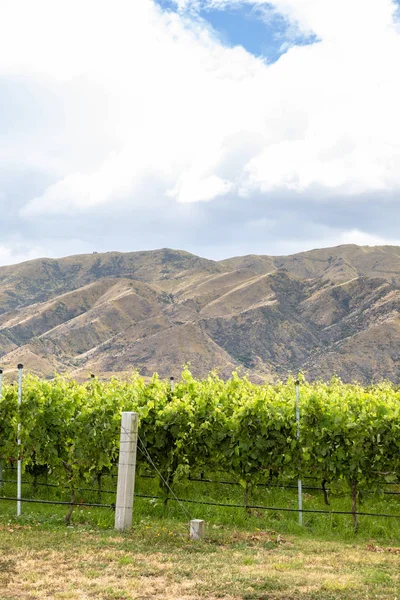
(299, 484)
(19, 471)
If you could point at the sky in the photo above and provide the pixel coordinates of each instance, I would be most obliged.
(220, 127)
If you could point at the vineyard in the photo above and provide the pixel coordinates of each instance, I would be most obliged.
(349, 435)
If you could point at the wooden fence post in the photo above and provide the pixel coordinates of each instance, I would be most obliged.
(126, 470)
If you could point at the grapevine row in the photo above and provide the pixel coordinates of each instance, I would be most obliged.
(349, 435)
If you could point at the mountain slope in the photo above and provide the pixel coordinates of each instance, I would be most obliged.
(335, 310)
(336, 264)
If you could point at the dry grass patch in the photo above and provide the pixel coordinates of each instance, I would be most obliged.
(150, 564)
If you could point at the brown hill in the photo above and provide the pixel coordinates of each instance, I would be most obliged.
(335, 310)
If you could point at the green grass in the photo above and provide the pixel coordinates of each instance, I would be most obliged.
(331, 527)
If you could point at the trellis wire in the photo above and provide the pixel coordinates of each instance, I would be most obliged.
(195, 480)
(207, 503)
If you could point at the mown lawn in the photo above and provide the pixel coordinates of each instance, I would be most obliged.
(156, 560)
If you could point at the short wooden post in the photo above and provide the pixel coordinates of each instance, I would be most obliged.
(126, 470)
(197, 529)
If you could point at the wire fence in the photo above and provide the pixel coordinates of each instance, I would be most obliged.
(281, 486)
(181, 501)
(206, 503)
(265, 484)
(55, 502)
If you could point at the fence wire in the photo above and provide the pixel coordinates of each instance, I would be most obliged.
(206, 503)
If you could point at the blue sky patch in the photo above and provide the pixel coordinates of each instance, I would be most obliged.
(249, 27)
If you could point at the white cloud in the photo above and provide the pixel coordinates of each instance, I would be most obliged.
(325, 18)
(14, 253)
(285, 246)
(361, 238)
(353, 19)
(171, 104)
(14, 250)
(194, 189)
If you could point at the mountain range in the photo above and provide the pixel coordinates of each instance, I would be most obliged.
(323, 312)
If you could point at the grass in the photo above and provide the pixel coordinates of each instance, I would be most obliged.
(331, 525)
(246, 556)
(156, 561)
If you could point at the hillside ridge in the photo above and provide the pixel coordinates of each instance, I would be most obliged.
(323, 311)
